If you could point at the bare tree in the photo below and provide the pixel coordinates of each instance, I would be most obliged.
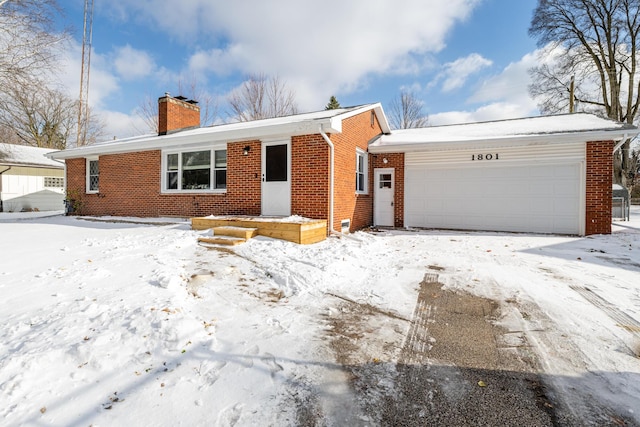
(95, 129)
(28, 39)
(596, 42)
(634, 172)
(406, 112)
(148, 108)
(38, 115)
(262, 97)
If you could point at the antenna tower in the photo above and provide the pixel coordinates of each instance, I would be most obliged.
(85, 68)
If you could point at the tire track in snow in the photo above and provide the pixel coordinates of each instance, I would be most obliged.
(623, 319)
(418, 342)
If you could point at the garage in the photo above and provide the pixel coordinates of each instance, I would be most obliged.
(547, 174)
(501, 189)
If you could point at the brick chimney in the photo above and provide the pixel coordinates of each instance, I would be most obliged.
(176, 114)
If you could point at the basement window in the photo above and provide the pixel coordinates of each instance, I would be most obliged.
(199, 170)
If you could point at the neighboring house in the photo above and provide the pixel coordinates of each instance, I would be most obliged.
(545, 174)
(29, 180)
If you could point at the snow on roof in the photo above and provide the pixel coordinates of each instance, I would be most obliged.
(564, 124)
(253, 124)
(255, 129)
(22, 155)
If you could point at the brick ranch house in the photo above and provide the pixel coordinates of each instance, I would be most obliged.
(548, 174)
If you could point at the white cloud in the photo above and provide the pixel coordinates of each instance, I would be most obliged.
(102, 81)
(103, 84)
(121, 125)
(503, 96)
(511, 84)
(322, 48)
(456, 73)
(132, 64)
(489, 112)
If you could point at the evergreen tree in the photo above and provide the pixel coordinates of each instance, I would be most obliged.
(333, 104)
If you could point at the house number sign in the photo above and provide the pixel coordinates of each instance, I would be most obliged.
(489, 156)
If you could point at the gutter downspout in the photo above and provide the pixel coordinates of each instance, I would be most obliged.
(331, 169)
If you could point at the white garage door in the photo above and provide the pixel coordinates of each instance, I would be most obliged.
(507, 194)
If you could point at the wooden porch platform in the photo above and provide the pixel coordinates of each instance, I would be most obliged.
(303, 231)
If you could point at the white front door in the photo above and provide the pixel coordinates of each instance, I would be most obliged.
(383, 197)
(276, 178)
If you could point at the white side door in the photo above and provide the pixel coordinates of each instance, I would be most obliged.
(384, 184)
(276, 178)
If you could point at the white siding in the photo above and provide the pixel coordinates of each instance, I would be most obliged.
(526, 189)
(22, 192)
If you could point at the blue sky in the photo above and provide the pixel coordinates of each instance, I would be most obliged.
(467, 60)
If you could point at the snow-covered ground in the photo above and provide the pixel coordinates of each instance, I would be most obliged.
(132, 323)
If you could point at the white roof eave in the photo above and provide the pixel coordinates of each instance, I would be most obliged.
(31, 165)
(199, 137)
(509, 140)
(213, 135)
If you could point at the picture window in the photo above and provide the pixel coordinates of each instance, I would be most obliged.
(200, 170)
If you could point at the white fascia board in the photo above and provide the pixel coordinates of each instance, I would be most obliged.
(382, 118)
(198, 137)
(510, 140)
(32, 165)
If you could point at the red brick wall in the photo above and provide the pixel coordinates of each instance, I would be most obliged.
(76, 179)
(598, 192)
(174, 114)
(395, 161)
(130, 183)
(357, 131)
(130, 186)
(310, 176)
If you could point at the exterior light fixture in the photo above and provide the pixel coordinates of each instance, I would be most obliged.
(245, 150)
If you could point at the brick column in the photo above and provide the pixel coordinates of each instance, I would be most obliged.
(598, 192)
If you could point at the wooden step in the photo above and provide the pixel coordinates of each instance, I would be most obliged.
(221, 240)
(233, 231)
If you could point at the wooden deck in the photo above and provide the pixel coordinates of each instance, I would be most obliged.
(303, 231)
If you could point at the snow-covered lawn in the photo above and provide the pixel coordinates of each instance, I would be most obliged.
(132, 323)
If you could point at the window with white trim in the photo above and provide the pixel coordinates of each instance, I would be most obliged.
(195, 170)
(361, 171)
(93, 175)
